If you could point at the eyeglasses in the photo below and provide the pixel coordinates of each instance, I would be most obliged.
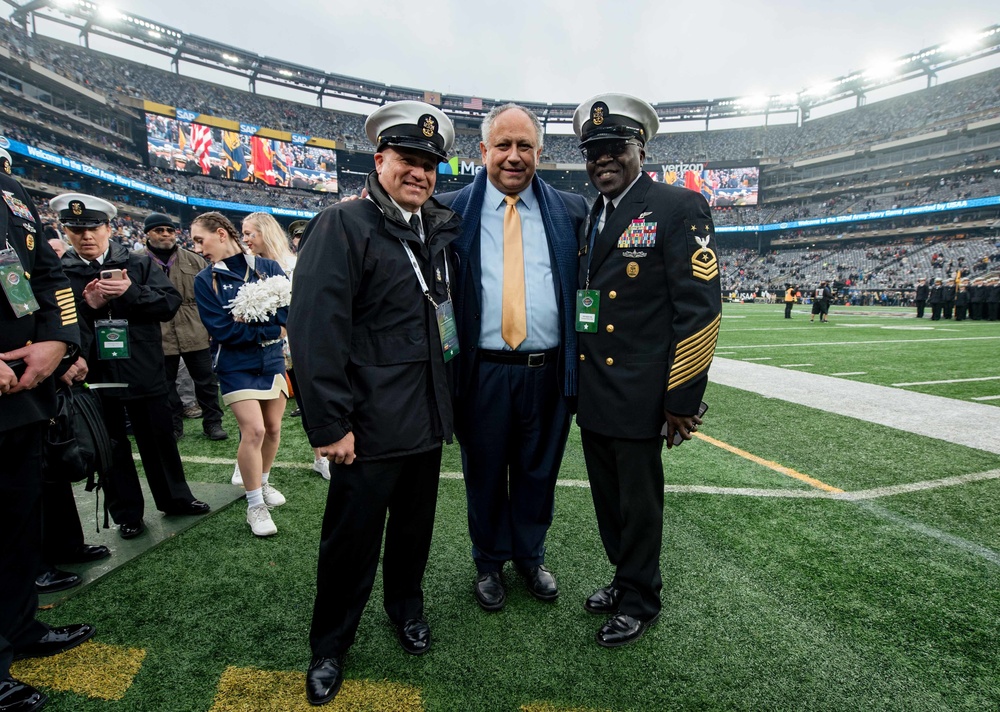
(614, 149)
(165, 230)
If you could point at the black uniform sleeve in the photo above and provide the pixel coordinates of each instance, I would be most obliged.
(320, 320)
(695, 292)
(56, 318)
(151, 294)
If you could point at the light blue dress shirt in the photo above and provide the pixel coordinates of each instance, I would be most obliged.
(542, 310)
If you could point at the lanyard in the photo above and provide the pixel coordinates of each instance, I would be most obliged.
(590, 250)
(420, 276)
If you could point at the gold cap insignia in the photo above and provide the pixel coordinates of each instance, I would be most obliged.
(6, 166)
(429, 127)
(597, 113)
(76, 207)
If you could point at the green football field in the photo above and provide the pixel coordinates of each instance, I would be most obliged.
(811, 561)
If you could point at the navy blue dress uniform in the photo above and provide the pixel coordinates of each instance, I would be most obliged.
(365, 341)
(22, 430)
(645, 356)
(936, 299)
(920, 298)
(150, 300)
(513, 407)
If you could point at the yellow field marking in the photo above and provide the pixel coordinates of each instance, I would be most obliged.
(546, 707)
(252, 690)
(92, 669)
(812, 481)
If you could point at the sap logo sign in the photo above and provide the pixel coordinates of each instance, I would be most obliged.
(456, 167)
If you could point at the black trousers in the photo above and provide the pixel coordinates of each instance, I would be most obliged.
(206, 389)
(512, 426)
(976, 310)
(993, 310)
(20, 539)
(626, 482)
(151, 427)
(936, 311)
(359, 498)
(788, 309)
(62, 533)
(948, 307)
(920, 308)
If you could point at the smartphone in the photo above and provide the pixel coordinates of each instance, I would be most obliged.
(702, 409)
(111, 274)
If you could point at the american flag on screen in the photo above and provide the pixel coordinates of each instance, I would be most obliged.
(473, 103)
(201, 142)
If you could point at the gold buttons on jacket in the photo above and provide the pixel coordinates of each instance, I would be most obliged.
(582, 357)
(610, 361)
(611, 328)
(612, 294)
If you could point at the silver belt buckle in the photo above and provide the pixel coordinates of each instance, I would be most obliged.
(536, 360)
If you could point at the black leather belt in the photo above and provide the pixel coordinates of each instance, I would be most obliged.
(519, 358)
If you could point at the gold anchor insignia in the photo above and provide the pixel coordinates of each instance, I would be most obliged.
(430, 127)
(76, 207)
(704, 264)
(598, 115)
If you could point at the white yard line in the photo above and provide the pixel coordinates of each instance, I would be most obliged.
(864, 343)
(850, 373)
(950, 380)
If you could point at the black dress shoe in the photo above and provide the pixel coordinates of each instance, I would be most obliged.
(57, 640)
(15, 696)
(130, 530)
(215, 432)
(414, 636)
(85, 554)
(297, 413)
(55, 580)
(490, 592)
(541, 583)
(324, 679)
(195, 506)
(622, 629)
(604, 600)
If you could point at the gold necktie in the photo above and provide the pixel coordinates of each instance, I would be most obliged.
(513, 323)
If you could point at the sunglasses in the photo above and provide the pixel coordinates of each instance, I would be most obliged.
(167, 230)
(614, 149)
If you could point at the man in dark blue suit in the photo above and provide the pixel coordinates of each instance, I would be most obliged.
(514, 293)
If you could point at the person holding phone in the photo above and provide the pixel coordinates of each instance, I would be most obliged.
(648, 315)
(122, 299)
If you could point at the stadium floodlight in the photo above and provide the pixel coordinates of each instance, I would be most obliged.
(757, 101)
(231, 58)
(154, 34)
(821, 89)
(64, 4)
(962, 43)
(110, 13)
(285, 73)
(881, 70)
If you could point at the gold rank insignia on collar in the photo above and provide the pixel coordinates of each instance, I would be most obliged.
(704, 264)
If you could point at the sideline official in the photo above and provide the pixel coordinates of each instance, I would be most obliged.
(127, 308)
(38, 329)
(371, 288)
(515, 290)
(648, 317)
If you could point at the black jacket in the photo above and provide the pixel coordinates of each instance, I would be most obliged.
(55, 318)
(364, 338)
(655, 265)
(150, 301)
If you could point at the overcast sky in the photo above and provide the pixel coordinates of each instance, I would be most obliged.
(568, 50)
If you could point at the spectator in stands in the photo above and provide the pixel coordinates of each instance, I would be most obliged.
(249, 363)
(184, 336)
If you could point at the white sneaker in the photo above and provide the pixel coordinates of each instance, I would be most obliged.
(237, 476)
(259, 519)
(272, 497)
(322, 466)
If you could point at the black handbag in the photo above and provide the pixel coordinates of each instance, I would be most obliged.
(77, 444)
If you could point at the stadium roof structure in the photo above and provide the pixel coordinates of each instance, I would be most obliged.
(92, 18)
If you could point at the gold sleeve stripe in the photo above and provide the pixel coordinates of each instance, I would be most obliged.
(64, 291)
(65, 301)
(69, 322)
(694, 354)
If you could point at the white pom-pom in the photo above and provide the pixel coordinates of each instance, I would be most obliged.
(259, 301)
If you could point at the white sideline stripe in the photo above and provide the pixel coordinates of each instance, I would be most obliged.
(850, 373)
(865, 343)
(934, 533)
(892, 407)
(950, 380)
(788, 365)
(981, 398)
(858, 495)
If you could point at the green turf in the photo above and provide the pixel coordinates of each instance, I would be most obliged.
(769, 603)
